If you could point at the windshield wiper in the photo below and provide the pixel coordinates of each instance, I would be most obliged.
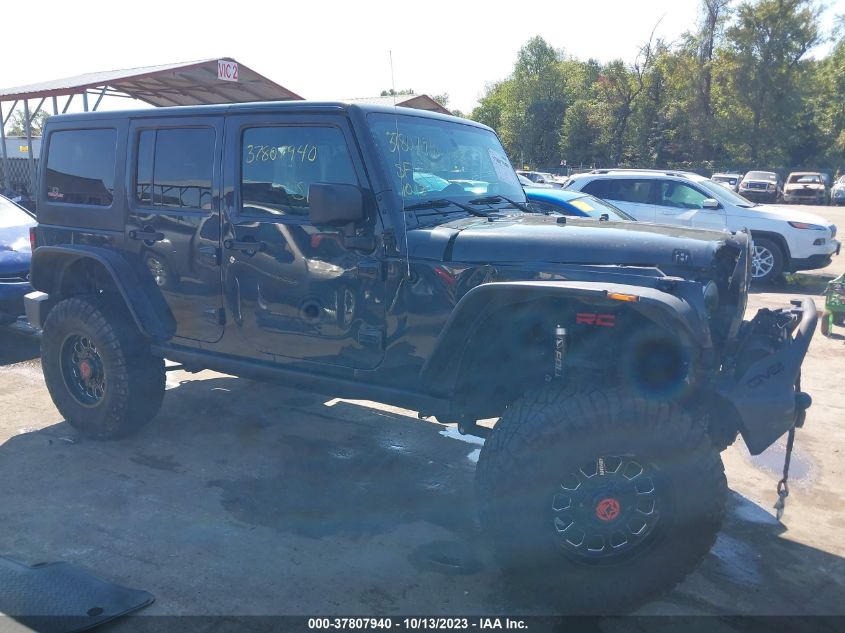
(497, 198)
(438, 203)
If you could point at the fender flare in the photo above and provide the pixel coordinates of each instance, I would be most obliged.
(142, 297)
(440, 371)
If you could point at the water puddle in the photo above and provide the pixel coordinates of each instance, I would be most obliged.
(771, 460)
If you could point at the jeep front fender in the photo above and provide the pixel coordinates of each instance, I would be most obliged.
(152, 315)
(671, 313)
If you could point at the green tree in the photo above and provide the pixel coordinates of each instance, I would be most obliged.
(762, 71)
(18, 128)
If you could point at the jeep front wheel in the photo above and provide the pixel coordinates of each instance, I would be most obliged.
(598, 500)
(98, 368)
(766, 260)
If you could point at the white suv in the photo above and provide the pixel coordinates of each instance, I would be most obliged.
(785, 239)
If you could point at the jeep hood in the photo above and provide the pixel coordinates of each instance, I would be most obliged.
(798, 186)
(777, 212)
(538, 238)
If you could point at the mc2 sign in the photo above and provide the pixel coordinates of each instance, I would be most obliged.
(227, 71)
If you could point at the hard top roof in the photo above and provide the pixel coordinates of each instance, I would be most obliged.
(258, 106)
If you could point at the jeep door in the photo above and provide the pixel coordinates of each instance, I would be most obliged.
(173, 224)
(632, 195)
(294, 291)
(682, 203)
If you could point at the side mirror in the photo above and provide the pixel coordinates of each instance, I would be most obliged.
(334, 204)
(710, 203)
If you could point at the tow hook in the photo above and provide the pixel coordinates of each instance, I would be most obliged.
(803, 401)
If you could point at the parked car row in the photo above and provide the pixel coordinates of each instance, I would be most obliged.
(807, 187)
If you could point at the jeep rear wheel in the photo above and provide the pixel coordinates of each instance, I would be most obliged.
(98, 368)
(606, 500)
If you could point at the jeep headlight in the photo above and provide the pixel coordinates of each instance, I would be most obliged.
(806, 226)
(711, 297)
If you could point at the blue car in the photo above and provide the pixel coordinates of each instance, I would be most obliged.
(15, 253)
(574, 203)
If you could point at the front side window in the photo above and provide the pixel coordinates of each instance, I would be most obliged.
(80, 167)
(680, 196)
(174, 168)
(279, 164)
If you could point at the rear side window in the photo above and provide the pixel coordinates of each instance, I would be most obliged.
(622, 189)
(279, 164)
(174, 168)
(80, 167)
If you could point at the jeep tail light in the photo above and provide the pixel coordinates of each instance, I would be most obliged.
(33, 239)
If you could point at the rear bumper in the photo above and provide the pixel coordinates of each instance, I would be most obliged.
(11, 300)
(37, 305)
(764, 399)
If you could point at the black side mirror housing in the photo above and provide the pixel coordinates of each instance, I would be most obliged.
(333, 204)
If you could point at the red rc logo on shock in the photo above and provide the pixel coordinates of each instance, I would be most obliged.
(608, 509)
(602, 320)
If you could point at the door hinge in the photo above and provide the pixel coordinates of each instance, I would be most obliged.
(215, 315)
(371, 269)
(211, 254)
(371, 336)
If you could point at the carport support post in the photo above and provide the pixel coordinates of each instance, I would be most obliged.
(30, 157)
(3, 146)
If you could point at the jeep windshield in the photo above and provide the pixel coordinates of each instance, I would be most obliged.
(432, 161)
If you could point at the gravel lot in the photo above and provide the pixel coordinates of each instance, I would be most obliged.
(246, 498)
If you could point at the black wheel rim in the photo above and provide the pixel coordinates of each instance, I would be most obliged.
(607, 508)
(83, 370)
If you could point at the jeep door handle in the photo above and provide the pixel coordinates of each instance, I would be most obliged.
(147, 236)
(244, 245)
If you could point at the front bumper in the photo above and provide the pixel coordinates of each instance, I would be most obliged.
(764, 400)
(814, 198)
(759, 195)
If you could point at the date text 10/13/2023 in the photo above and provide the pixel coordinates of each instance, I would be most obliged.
(417, 623)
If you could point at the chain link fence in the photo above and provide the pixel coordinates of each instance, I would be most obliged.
(17, 179)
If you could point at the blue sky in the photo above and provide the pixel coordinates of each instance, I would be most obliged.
(331, 49)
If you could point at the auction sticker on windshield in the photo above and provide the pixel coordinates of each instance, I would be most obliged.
(503, 168)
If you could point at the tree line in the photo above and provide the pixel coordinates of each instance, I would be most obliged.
(739, 92)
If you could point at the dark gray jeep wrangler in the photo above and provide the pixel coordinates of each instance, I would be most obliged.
(388, 254)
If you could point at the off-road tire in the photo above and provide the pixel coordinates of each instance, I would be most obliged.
(777, 264)
(548, 431)
(133, 379)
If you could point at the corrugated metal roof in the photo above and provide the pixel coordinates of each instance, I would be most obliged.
(185, 83)
(420, 102)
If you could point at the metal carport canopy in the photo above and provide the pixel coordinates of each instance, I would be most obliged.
(207, 81)
(185, 83)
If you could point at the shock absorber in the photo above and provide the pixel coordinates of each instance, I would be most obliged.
(560, 350)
